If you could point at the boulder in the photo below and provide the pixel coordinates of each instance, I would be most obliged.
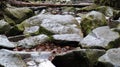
(106, 10)
(91, 21)
(39, 59)
(67, 39)
(17, 15)
(52, 24)
(32, 41)
(102, 37)
(4, 42)
(112, 3)
(78, 58)
(4, 26)
(8, 59)
(111, 58)
(37, 20)
(34, 30)
(31, 59)
(60, 28)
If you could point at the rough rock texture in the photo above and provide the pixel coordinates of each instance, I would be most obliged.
(78, 58)
(101, 37)
(4, 42)
(34, 30)
(52, 24)
(106, 10)
(67, 37)
(8, 59)
(111, 58)
(112, 3)
(36, 59)
(60, 28)
(91, 21)
(17, 15)
(33, 41)
(37, 20)
(25, 59)
(4, 26)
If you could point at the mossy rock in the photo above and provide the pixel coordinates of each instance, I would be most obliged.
(91, 21)
(16, 30)
(106, 10)
(17, 15)
(4, 27)
(112, 3)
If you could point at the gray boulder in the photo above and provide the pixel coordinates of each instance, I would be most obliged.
(53, 24)
(67, 37)
(34, 30)
(37, 20)
(91, 21)
(31, 59)
(8, 59)
(111, 58)
(32, 41)
(60, 28)
(101, 37)
(4, 42)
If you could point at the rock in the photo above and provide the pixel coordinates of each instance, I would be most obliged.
(93, 55)
(48, 24)
(111, 58)
(8, 59)
(107, 11)
(34, 30)
(78, 58)
(115, 25)
(36, 59)
(18, 28)
(67, 39)
(33, 41)
(31, 59)
(4, 42)
(58, 28)
(46, 63)
(101, 37)
(34, 56)
(4, 26)
(17, 15)
(91, 21)
(112, 3)
(37, 20)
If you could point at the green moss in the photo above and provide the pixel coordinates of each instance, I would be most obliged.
(114, 44)
(112, 3)
(44, 31)
(92, 21)
(17, 15)
(15, 30)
